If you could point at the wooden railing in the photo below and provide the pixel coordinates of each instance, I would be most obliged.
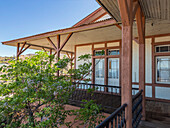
(115, 120)
(137, 109)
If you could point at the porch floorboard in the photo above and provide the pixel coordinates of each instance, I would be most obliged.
(155, 124)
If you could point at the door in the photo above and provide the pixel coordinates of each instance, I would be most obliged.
(113, 73)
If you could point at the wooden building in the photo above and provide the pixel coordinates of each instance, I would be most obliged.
(130, 45)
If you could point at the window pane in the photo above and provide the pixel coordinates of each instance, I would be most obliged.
(99, 53)
(99, 71)
(113, 52)
(163, 69)
(164, 49)
(113, 74)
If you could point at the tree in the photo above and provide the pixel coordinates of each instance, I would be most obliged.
(33, 95)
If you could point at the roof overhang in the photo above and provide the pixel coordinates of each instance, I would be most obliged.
(152, 9)
(93, 32)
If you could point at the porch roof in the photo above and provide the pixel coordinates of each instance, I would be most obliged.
(152, 9)
(89, 33)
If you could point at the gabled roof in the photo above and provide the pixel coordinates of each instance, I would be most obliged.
(87, 23)
(92, 17)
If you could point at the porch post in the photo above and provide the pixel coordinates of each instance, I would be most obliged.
(126, 73)
(140, 20)
(17, 56)
(126, 9)
(58, 52)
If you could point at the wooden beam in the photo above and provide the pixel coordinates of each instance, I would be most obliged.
(101, 24)
(135, 7)
(18, 45)
(140, 20)
(51, 42)
(68, 55)
(51, 51)
(44, 49)
(24, 49)
(23, 46)
(140, 25)
(58, 52)
(126, 72)
(125, 9)
(66, 40)
(119, 26)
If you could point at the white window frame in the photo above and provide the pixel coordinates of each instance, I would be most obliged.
(159, 46)
(156, 69)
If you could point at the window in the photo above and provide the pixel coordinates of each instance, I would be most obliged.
(163, 69)
(163, 48)
(113, 52)
(99, 52)
(113, 68)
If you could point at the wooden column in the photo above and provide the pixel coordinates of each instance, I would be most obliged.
(50, 51)
(106, 70)
(126, 72)
(140, 20)
(142, 75)
(93, 66)
(126, 12)
(17, 56)
(58, 52)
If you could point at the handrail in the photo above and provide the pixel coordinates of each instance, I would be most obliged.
(137, 95)
(109, 119)
(102, 85)
(137, 109)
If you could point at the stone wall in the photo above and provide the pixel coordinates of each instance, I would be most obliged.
(157, 110)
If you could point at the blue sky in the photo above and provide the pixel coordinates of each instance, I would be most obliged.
(20, 18)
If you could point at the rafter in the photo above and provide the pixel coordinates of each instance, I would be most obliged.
(23, 46)
(51, 42)
(21, 51)
(66, 40)
(44, 49)
(68, 55)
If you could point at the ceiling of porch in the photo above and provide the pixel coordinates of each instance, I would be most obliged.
(152, 9)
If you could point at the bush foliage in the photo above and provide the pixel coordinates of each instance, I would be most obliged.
(34, 96)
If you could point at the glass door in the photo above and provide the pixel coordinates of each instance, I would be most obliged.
(99, 72)
(113, 74)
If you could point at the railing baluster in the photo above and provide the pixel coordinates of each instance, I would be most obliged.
(114, 116)
(116, 121)
(111, 123)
